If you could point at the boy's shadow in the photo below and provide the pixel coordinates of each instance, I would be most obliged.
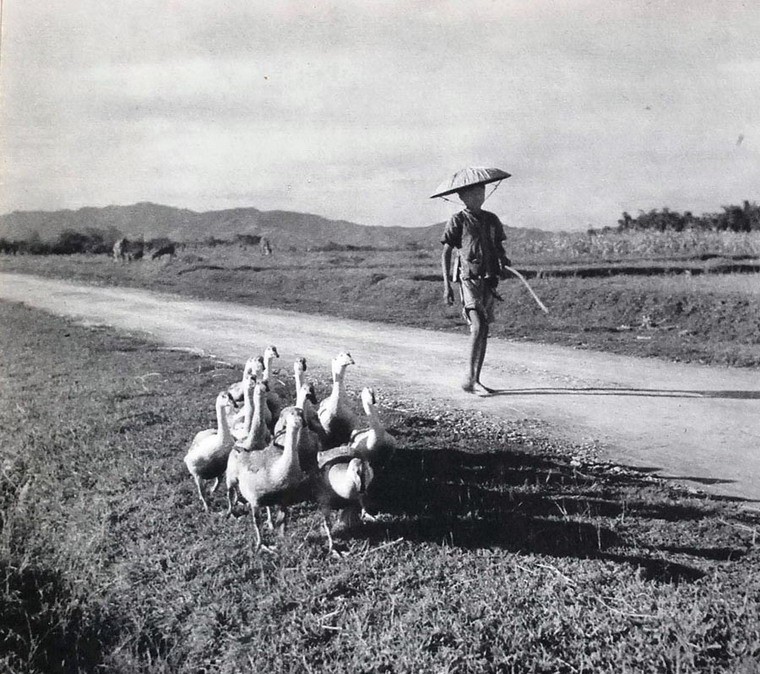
(519, 502)
(619, 391)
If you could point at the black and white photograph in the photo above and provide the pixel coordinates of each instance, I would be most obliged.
(379, 337)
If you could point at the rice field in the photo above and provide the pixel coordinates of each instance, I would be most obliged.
(675, 308)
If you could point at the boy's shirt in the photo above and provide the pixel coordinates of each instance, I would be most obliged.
(479, 238)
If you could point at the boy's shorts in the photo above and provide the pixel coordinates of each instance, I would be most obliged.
(477, 294)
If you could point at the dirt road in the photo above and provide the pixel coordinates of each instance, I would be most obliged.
(696, 424)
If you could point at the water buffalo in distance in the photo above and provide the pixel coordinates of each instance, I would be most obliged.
(124, 249)
(168, 249)
(9, 247)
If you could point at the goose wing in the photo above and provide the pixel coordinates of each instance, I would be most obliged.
(340, 454)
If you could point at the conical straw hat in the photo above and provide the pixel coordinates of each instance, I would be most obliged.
(468, 177)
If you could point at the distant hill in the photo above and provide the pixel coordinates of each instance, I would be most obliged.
(150, 221)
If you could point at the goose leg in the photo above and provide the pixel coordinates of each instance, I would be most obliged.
(270, 523)
(256, 532)
(326, 527)
(330, 544)
(200, 492)
(349, 517)
(257, 535)
(215, 485)
(282, 521)
(231, 499)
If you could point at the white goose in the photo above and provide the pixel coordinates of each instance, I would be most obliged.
(274, 396)
(308, 404)
(254, 368)
(310, 442)
(254, 365)
(273, 475)
(337, 418)
(206, 458)
(374, 443)
(299, 367)
(258, 435)
(240, 421)
(258, 438)
(341, 484)
(270, 353)
(311, 417)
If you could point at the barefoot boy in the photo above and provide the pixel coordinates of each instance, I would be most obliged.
(479, 237)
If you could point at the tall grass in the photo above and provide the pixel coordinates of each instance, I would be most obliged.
(616, 245)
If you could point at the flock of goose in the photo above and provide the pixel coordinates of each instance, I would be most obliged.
(273, 454)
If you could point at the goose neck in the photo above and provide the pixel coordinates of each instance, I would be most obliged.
(338, 373)
(256, 435)
(222, 426)
(372, 415)
(292, 436)
(258, 412)
(247, 409)
(267, 368)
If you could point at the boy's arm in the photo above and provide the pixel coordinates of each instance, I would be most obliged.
(448, 292)
(504, 261)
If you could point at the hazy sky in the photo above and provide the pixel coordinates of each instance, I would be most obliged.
(357, 110)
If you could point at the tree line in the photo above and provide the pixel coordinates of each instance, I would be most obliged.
(744, 218)
(91, 241)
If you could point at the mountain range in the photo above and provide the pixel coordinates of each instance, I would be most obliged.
(150, 221)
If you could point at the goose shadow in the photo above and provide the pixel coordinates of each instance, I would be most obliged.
(526, 504)
(643, 392)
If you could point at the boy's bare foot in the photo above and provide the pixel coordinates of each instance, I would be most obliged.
(481, 390)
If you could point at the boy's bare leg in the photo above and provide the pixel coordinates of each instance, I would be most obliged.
(482, 356)
(478, 340)
(475, 324)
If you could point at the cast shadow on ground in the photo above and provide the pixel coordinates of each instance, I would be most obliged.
(698, 480)
(527, 504)
(644, 392)
(31, 631)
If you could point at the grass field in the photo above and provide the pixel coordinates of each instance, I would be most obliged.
(709, 318)
(495, 550)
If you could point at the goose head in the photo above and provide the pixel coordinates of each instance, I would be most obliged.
(361, 474)
(258, 367)
(250, 365)
(270, 353)
(224, 400)
(293, 418)
(341, 362)
(260, 390)
(299, 366)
